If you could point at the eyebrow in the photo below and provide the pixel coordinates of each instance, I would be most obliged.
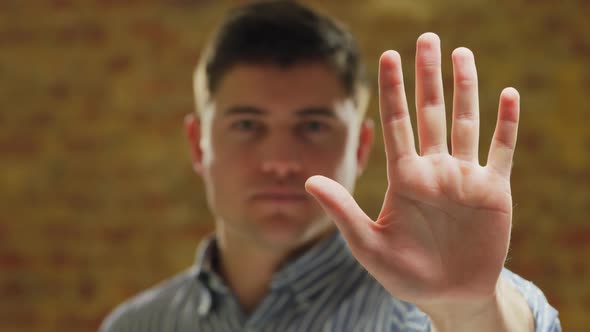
(244, 110)
(308, 111)
(321, 111)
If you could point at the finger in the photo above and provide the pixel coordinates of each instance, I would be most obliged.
(395, 119)
(465, 131)
(504, 140)
(342, 208)
(430, 103)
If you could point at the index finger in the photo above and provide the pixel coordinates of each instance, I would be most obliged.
(395, 119)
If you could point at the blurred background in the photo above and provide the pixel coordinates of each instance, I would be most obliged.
(97, 197)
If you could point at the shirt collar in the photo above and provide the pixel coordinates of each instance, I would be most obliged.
(329, 258)
(204, 265)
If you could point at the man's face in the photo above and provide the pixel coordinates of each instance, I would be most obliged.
(265, 132)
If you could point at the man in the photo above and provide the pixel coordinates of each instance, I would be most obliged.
(279, 141)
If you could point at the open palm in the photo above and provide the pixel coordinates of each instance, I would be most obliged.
(443, 232)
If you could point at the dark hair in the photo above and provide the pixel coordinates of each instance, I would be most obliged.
(283, 33)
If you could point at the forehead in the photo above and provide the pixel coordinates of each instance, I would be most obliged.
(271, 87)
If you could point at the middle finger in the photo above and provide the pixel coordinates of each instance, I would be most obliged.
(430, 104)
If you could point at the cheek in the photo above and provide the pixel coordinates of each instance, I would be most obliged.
(230, 164)
(227, 162)
(332, 160)
(225, 181)
(345, 164)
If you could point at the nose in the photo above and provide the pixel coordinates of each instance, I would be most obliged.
(281, 158)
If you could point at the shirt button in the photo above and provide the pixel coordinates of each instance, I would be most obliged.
(205, 303)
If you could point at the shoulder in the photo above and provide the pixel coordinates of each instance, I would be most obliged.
(152, 309)
(546, 317)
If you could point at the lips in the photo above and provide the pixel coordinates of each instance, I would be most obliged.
(280, 196)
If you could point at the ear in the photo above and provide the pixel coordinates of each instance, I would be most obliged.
(365, 145)
(192, 127)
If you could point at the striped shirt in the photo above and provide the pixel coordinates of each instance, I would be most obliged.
(325, 289)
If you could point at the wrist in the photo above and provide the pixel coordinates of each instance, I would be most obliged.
(504, 310)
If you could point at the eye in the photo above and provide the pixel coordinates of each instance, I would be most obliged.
(245, 125)
(314, 126)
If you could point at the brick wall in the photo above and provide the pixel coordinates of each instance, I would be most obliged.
(97, 197)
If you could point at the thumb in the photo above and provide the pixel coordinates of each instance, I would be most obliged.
(342, 208)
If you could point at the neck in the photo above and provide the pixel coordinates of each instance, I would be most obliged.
(248, 266)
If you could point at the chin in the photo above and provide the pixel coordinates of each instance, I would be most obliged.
(287, 232)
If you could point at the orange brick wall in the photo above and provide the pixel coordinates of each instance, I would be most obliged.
(97, 197)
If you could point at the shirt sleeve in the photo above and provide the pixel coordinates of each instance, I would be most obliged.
(546, 317)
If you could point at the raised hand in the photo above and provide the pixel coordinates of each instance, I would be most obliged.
(443, 232)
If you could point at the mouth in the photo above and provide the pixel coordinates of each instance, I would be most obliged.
(280, 196)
